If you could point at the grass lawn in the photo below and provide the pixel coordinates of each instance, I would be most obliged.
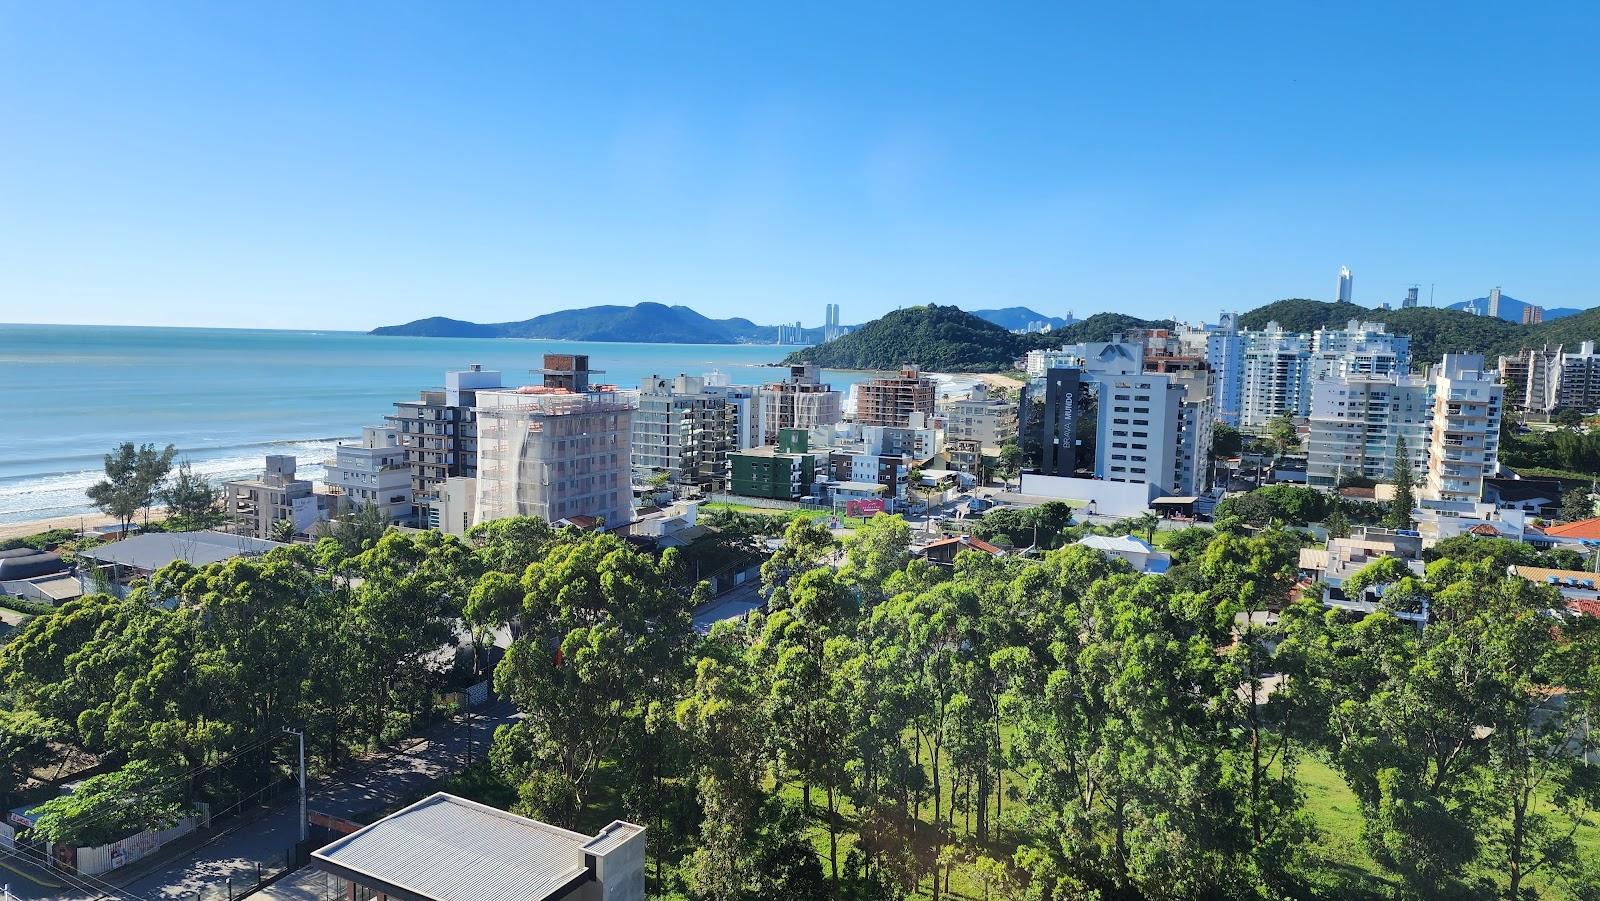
(1347, 870)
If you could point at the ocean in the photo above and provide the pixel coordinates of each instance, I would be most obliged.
(228, 397)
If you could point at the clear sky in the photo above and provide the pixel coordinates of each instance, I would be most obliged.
(345, 165)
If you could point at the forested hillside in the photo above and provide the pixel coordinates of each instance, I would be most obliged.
(1434, 331)
(949, 339)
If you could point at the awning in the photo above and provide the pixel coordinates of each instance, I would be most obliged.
(1174, 500)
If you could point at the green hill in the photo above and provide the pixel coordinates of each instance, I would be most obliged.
(939, 339)
(1434, 331)
(949, 339)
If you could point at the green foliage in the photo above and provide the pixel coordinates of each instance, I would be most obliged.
(1405, 480)
(192, 503)
(947, 339)
(1226, 442)
(1282, 437)
(1569, 451)
(41, 541)
(1294, 505)
(1018, 526)
(105, 808)
(603, 636)
(1576, 504)
(25, 738)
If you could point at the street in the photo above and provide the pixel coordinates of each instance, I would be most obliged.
(360, 788)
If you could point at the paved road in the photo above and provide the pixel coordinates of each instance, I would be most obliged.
(25, 879)
(355, 792)
(734, 604)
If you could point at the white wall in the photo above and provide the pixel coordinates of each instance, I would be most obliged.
(1110, 498)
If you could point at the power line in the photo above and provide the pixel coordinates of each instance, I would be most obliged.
(147, 791)
(81, 881)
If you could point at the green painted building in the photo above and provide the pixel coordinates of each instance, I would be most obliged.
(784, 471)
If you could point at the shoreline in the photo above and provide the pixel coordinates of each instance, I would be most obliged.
(77, 523)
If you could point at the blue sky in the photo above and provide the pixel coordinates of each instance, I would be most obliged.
(347, 165)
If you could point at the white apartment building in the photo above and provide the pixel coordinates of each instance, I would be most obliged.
(1580, 379)
(372, 473)
(990, 421)
(1137, 436)
(1191, 473)
(1360, 348)
(685, 430)
(557, 450)
(800, 401)
(1465, 438)
(1357, 422)
(1545, 365)
(1038, 362)
(1275, 376)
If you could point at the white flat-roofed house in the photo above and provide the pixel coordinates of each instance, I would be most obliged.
(372, 473)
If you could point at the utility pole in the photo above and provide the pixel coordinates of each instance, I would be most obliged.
(304, 823)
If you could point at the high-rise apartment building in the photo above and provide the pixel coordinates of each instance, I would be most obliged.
(1532, 315)
(1411, 298)
(1360, 348)
(372, 473)
(1275, 377)
(1580, 379)
(800, 401)
(1493, 309)
(1225, 356)
(1191, 470)
(1357, 422)
(1543, 393)
(440, 435)
(896, 399)
(990, 421)
(1344, 284)
(686, 430)
(1464, 440)
(1137, 437)
(557, 450)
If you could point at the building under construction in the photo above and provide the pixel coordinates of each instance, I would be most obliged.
(892, 401)
(557, 450)
(800, 401)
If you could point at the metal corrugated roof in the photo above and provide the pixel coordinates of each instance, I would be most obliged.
(153, 550)
(612, 837)
(451, 849)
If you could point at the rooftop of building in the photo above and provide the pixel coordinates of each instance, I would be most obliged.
(152, 550)
(445, 848)
(1580, 530)
(965, 541)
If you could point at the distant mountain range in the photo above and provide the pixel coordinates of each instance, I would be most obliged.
(644, 322)
(1510, 308)
(656, 322)
(1016, 318)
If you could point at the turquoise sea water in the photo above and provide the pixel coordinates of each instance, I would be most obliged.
(226, 397)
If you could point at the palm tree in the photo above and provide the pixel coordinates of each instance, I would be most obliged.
(282, 530)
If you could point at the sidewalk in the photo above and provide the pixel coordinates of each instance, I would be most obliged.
(355, 791)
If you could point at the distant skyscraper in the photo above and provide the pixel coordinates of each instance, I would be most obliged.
(1411, 298)
(1532, 315)
(1494, 304)
(1344, 284)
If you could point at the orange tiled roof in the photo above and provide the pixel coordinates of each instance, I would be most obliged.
(1583, 528)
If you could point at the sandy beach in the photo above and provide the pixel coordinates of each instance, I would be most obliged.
(76, 523)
